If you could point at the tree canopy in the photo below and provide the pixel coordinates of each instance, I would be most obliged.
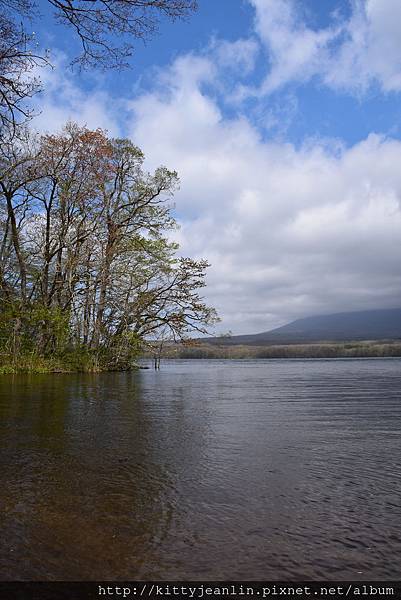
(86, 264)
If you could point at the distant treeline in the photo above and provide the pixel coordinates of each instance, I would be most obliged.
(322, 350)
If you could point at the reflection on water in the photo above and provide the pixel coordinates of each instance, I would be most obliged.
(203, 470)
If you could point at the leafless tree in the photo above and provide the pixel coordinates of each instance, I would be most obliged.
(107, 31)
(18, 60)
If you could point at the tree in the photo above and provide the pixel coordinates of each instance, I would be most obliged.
(107, 31)
(17, 61)
(99, 24)
(86, 264)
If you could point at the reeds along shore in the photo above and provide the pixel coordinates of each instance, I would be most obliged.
(360, 349)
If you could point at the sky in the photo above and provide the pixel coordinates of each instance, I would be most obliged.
(283, 120)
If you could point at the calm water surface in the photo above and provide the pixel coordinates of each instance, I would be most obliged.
(203, 470)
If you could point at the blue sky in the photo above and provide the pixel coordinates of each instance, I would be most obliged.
(320, 111)
(282, 118)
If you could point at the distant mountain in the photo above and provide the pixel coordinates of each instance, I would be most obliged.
(347, 326)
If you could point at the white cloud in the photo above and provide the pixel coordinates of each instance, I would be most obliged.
(238, 56)
(288, 232)
(295, 51)
(352, 54)
(62, 100)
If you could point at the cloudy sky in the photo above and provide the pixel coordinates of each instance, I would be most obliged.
(283, 120)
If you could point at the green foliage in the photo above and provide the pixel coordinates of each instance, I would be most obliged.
(33, 328)
(31, 362)
(87, 272)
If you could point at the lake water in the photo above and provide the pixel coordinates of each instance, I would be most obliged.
(205, 470)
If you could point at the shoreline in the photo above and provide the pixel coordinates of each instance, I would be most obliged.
(323, 350)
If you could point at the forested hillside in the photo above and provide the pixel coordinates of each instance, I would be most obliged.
(382, 324)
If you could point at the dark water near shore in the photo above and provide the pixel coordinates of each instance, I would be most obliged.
(203, 470)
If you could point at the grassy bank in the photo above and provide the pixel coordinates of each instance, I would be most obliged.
(66, 363)
(360, 349)
(39, 364)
